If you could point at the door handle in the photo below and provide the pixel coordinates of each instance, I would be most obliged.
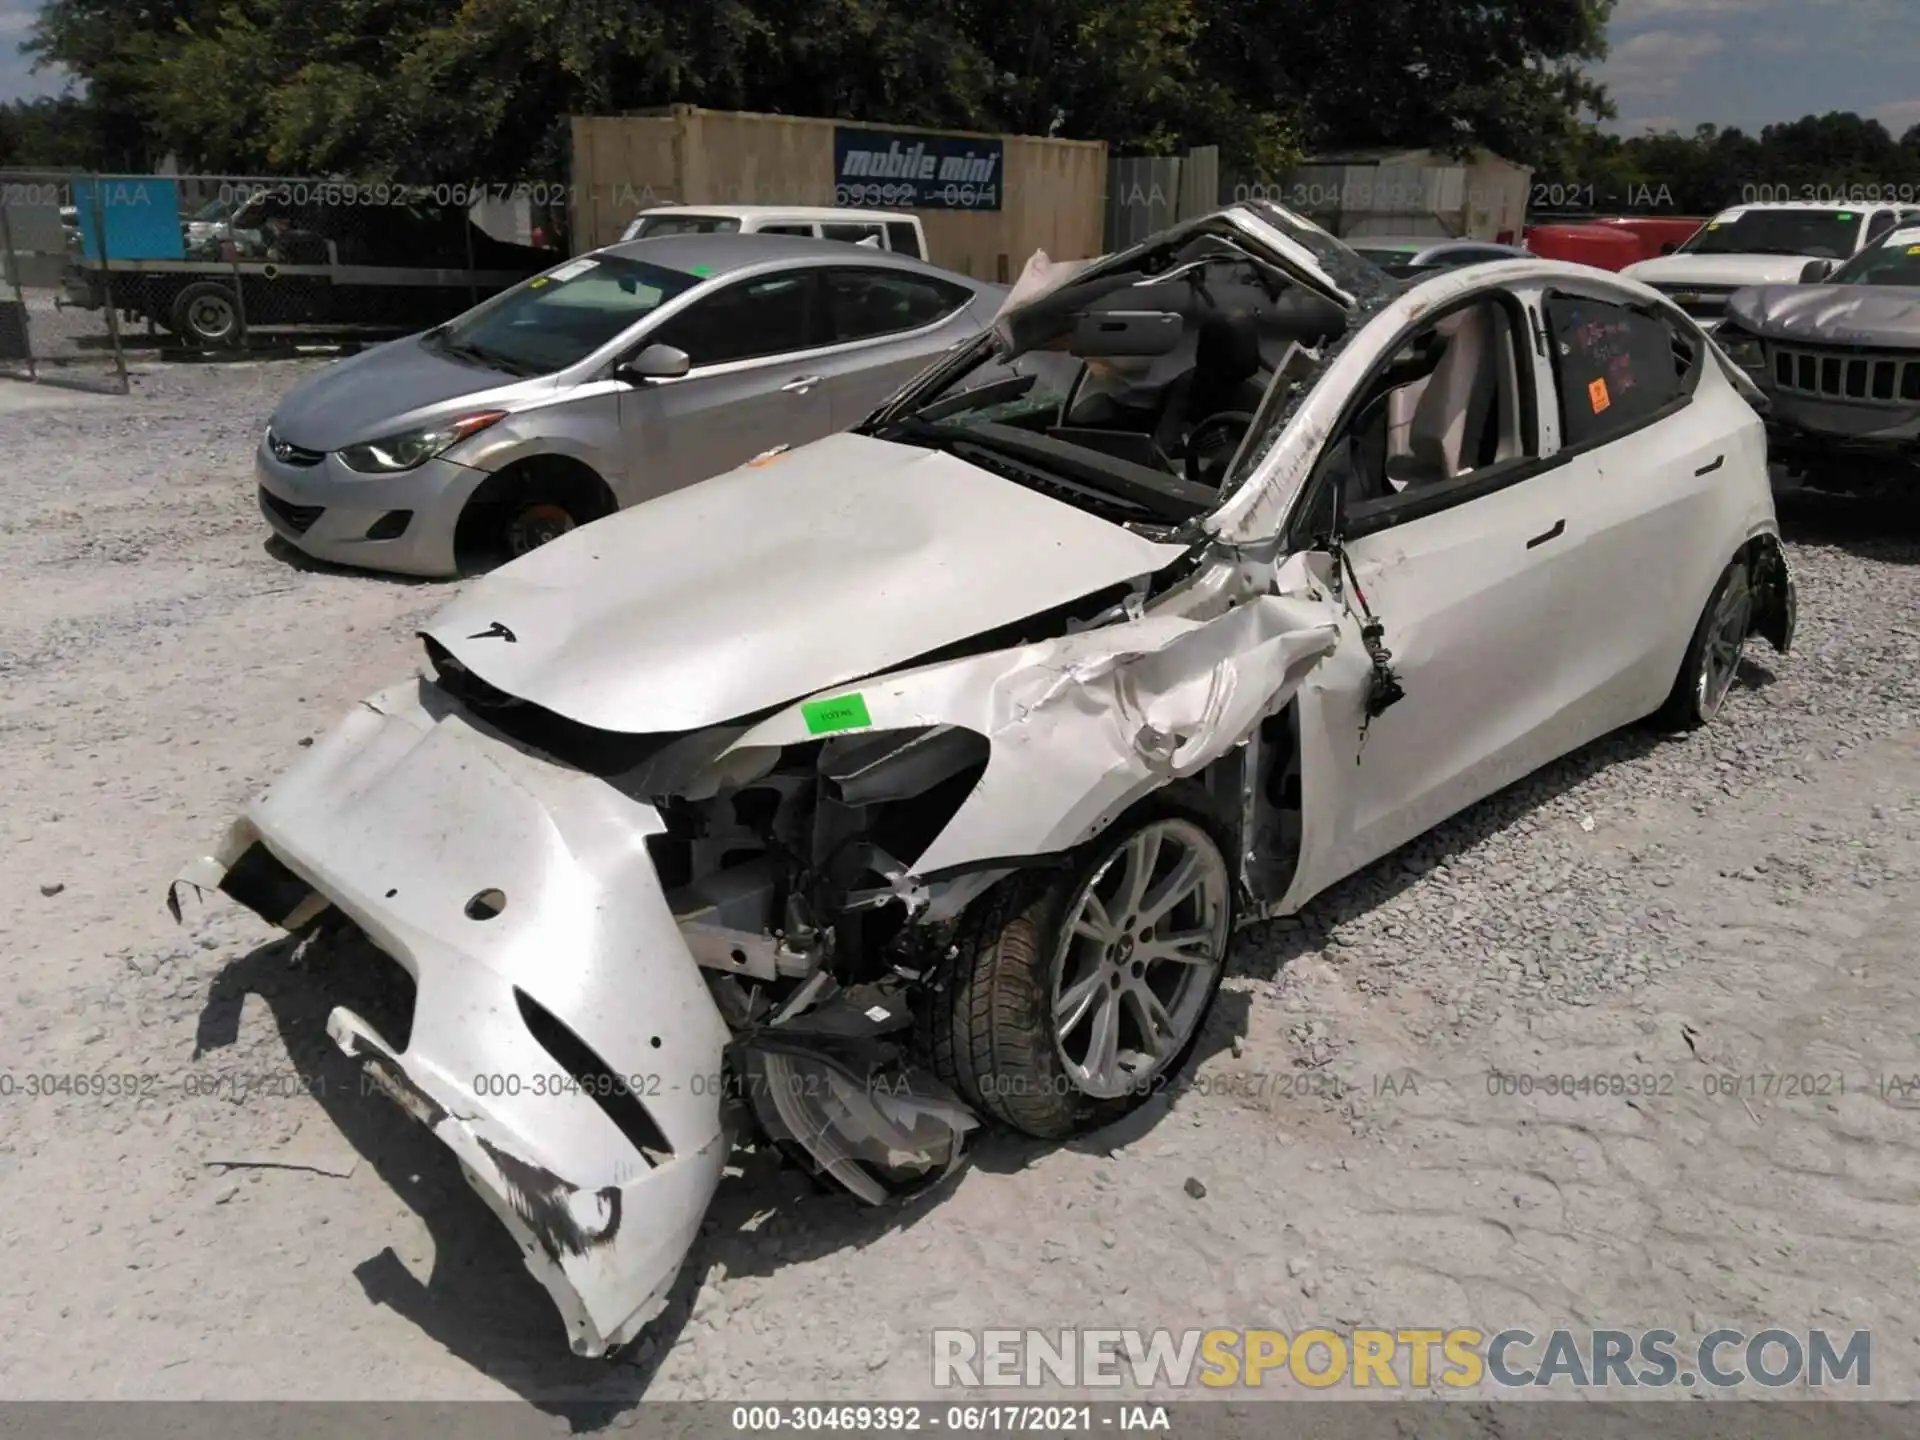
(801, 385)
(1559, 529)
(1718, 461)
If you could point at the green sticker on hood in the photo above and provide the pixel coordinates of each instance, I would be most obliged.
(842, 712)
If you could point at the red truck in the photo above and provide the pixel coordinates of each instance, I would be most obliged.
(1613, 243)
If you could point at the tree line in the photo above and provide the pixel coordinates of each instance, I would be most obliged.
(429, 92)
(415, 90)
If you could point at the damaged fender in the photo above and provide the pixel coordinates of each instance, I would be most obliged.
(1084, 726)
(564, 1045)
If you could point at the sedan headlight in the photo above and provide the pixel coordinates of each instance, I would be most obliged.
(1741, 348)
(403, 452)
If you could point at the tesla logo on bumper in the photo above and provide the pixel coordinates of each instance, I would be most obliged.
(496, 631)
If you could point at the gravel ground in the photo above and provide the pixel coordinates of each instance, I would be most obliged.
(1736, 903)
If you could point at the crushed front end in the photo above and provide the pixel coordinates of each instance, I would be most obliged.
(602, 994)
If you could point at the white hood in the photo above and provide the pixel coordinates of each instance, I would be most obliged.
(829, 563)
(1719, 270)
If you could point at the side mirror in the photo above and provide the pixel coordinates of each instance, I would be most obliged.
(1816, 271)
(1668, 248)
(656, 362)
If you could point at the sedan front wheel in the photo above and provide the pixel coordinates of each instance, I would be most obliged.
(1071, 1006)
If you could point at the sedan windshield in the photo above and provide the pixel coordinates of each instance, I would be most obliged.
(559, 318)
(1823, 234)
(1896, 262)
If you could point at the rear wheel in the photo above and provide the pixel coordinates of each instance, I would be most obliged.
(1713, 655)
(1075, 1001)
(207, 313)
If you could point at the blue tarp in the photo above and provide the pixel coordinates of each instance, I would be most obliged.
(140, 213)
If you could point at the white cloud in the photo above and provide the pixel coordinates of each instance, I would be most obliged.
(1630, 13)
(1656, 61)
(1899, 116)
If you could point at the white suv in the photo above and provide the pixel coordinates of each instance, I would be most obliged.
(880, 229)
(1771, 244)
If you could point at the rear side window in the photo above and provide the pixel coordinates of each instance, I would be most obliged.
(903, 239)
(654, 226)
(1881, 223)
(865, 303)
(1616, 367)
(852, 233)
(786, 230)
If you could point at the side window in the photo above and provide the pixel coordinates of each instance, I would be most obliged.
(903, 239)
(863, 304)
(806, 230)
(749, 319)
(1881, 223)
(1448, 408)
(1616, 367)
(853, 233)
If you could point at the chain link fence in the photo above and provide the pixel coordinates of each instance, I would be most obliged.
(44, 335)
(100, 271)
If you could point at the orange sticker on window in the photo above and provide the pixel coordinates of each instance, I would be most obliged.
(1597, 395)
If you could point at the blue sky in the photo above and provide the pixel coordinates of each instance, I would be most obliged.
(1676, 63)
(1681, 63)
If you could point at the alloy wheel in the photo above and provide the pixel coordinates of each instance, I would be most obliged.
(1726, 638)
(1140, 947)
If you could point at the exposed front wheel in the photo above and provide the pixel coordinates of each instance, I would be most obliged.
(530, 504)
(1713, 654)
(533, 524)
(1073, 1003)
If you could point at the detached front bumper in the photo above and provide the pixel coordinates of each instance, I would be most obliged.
(564, 1045)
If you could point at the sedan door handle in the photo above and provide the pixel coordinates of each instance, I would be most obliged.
(1718, 461)
(802, 385)
(1559, 529)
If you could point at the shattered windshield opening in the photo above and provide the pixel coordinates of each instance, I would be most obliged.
(1129, 393)
(1896, 262)
(1823, 234)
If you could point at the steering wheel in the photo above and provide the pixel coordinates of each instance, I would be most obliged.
(1212, 444)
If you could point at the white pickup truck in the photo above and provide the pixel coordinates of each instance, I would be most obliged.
(881, 229)
(1767, 244)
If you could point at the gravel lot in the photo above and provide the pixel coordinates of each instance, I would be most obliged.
(1737, 903)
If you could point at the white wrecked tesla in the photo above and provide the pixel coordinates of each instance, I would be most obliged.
(922, 774)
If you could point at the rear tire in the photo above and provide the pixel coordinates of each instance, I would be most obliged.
(1071, 1002)
(1713, 654)
(207, 313)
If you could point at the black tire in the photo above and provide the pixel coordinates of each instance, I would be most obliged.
(1700, 689)
(990, 1033)
(207, 313)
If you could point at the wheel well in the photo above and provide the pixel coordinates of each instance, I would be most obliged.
(560, 478)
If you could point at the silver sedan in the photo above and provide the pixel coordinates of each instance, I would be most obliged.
(610, 379)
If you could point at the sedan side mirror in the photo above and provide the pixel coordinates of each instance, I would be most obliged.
(1816, 271)
(656, 362)
(1668, 248)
